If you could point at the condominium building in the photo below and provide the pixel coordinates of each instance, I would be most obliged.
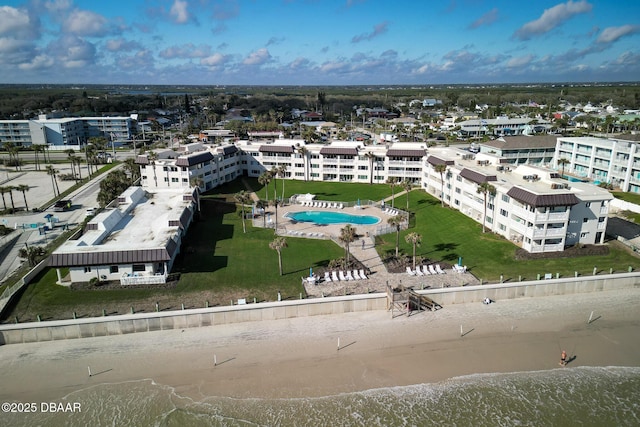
(609, 160)
(63, 133)
(532, 206)
(522, 149)
(135, 240)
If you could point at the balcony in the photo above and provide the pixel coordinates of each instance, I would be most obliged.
(549, 232)
(552, 216)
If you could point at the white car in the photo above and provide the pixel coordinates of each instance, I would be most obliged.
(91, 211)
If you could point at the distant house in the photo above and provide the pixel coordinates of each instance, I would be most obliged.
(311, 116)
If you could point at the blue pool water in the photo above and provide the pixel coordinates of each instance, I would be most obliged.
(325, 217)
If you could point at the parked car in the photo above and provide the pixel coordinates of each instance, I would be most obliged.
(91, 211)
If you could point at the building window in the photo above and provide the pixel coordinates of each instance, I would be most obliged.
(588, 204)
(87, 269)
(505, 198)
(113, 269)
(585, 219)
(138, 267)
(504, 213)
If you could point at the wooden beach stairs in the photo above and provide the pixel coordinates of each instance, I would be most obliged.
(405, 300)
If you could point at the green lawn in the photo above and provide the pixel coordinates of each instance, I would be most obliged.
(219, 262)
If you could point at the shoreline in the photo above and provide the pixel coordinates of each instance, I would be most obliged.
(299, 357)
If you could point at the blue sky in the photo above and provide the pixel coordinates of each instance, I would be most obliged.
(318, 42)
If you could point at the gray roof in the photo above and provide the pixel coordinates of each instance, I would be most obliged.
(405, 153)
(77, 259)
(476, 177)
(228, 149)
(194, 159)
(523, 142)
(339, 151)
(434, 160)
(542, 200)
(288, 149)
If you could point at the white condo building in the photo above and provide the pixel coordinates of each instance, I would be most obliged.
(611, 160)
(532, 206)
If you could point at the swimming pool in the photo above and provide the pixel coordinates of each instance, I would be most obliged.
(327, 217)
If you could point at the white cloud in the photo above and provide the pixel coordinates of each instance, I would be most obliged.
(214, 60)
(378, 29)
(188, 50)
(520, 61)
(258, 57)
(86, 23)
(552, 18)
(486, 19)
(121, 45)
(179, 11)
(611, 34)
(13, 20)
(38, 62)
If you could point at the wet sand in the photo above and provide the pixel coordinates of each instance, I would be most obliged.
(300, 357)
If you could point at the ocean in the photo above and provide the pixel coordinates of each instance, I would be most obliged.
(581, 396)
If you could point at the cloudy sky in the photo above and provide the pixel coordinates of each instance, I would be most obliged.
(318, 42)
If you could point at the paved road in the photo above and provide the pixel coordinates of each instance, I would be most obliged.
(40, 192)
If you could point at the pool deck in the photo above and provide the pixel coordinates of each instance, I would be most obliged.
(362, 249)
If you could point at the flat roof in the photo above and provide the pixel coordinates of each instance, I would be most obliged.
(142, 220)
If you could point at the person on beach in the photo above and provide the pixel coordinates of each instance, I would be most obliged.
(563, 358)
(362, 244)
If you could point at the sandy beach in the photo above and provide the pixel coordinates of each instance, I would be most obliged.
(300, 357)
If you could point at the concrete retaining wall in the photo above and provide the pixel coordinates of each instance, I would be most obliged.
(143, 322)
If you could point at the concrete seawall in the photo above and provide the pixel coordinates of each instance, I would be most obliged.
(144, 322)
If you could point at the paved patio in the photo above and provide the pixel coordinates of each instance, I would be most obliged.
(363, 250)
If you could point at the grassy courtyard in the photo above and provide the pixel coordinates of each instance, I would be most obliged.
(220, 263)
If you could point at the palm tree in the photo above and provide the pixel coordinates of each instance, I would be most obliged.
(305, 154)
(260, 205)
(441, 168)
(275, 203)
(3, 191)
(563, 162)
(32, 254)
(265, 179)
(414, 239)
(70, 154)
(24, 188)
(407, 186)
(242, 197)
(76, 160)
(392, 181)
(52, 172)
(37, 149)
(371, 157)
(485, 189)
(281, 172)
(277, 245)
(396, 221)
(11, 188)
(347, 235)
(152, 157)
(274, 175)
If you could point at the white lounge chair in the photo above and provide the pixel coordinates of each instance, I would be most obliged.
(439, 270)
(362, 275)
(419, 272)
(340, 206)
(342, 277)
(425, 270)
(355, 275)
(410, 272)
(432, 270)
(327, 278)
(349, 275)
(334, 276)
